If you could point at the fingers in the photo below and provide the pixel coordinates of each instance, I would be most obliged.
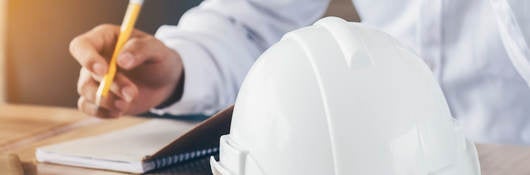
(112, 102)
(124, 88)
(88, 48)
(123, 91)
(92, 109)
(140, 50)
(88, 56)
(91, 48)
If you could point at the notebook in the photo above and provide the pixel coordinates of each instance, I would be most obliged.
(144, 147)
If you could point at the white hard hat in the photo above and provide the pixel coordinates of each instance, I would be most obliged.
(342, 98)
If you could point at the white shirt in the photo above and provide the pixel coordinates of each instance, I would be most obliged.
(472, 46)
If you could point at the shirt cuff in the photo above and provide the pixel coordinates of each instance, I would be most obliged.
(199, 69)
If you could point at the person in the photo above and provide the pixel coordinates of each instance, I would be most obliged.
(473, 48)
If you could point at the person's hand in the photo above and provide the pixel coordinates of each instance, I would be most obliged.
(148, 72)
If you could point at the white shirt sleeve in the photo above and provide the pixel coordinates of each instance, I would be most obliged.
(219, 40)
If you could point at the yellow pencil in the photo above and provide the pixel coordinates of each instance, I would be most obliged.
(127, 26)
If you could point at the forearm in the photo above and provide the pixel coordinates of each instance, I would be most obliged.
(220, 40)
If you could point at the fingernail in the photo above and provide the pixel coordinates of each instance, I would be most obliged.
(126, 60)
(99, 69)
(120, 104)
(127, 93)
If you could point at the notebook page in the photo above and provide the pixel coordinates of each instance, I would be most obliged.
(127, 145)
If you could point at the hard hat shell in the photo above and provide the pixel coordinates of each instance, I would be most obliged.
(342, 98)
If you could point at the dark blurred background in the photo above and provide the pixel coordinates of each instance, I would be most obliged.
(35, 35)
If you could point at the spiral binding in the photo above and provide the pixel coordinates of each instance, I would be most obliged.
(180, 158)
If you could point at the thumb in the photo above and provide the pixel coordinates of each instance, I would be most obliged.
(138, 51)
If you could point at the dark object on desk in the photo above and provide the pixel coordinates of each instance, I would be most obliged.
(10, 164)
(197, 167)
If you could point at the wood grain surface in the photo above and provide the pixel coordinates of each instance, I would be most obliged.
(24, 128)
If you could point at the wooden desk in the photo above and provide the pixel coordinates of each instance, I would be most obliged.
(23, 128)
